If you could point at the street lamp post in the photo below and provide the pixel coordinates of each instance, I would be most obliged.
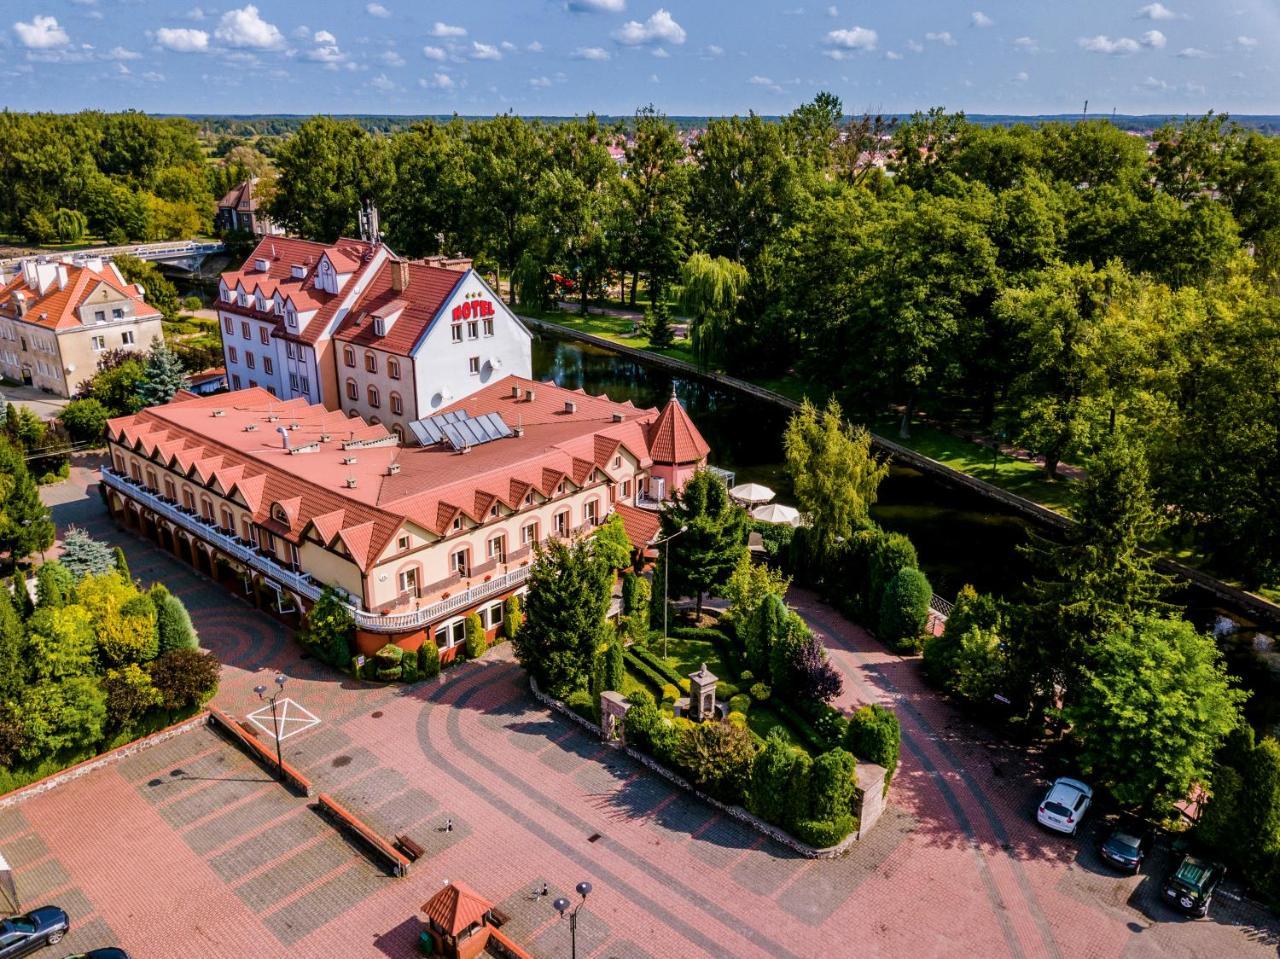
(562, 906)
(275, 719)
(666, 575)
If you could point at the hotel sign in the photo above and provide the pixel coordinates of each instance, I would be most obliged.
(472, 309)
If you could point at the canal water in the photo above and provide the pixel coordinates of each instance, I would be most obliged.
(960, 536)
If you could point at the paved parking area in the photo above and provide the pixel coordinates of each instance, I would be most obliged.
(189, 849)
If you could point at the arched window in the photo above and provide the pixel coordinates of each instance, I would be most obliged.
(348, 356)
(278, 514)
(397, 406)
(399, 431)
(353, 391)
(374, 399)
(371, 362)
(393, 368)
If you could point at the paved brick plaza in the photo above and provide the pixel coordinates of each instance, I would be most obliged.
(189, 849)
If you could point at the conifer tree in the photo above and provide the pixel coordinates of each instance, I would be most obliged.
(714, 536)
(164, 375)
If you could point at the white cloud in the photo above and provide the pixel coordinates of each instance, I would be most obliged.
(712, 50)
(1120, 46)
(659, 28)
(1151, 83)
(1021, 76)
(540, 83)
(765, 82)
(597, 6)
(484, 51)
(182, 39)
(1026, 44)
(944, 37)
(152, 77)
(246, 28)
(439, 29)
(661, 53)
(892, 55)
(376, 10)
(590, 53)
(120, 53)
(384, 83)
(508, 46)
(434, 53)
(915, 46)
(842, 44)
(833, 11)
(42, 33)
(437, 81)
(324, 36)
(1247, 42)
(392, 59)
(980, 19)
(1154, 39)
(326, 50)
(654, 78)
(1193, 53)
(195, 13)
(534, 47)
(1158, 11)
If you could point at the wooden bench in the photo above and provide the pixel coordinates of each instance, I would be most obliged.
(259, 750)
(342, 816)
(411, 849)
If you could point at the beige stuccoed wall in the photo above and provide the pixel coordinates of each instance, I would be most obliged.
(385, 384)
(76, 345)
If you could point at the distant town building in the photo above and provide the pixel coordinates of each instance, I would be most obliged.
(358, 329)
(281, 499)
(58, 317)
(213, 380)
(238, 210)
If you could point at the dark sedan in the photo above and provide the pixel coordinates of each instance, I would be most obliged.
(106, 952)
(1191, 885)
(41, 927)
(1126, 845)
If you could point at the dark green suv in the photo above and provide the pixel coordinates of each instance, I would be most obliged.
(1191, 885)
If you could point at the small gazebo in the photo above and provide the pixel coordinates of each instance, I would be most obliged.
(454, 915)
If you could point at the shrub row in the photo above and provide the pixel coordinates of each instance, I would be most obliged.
(647, 672)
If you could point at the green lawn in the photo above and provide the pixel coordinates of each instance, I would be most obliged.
(615, 328)
(1016, 476)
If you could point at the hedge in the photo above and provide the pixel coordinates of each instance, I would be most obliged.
(657, 663)
(647, 672)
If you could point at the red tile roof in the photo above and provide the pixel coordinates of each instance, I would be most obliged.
(641, 525)
(428, 290)
(456, 908)
(234, 436)
(281, 255)
(56, 308)
(673, 438)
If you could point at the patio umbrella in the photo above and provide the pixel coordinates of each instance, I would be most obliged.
(777, 513)
(751, 493)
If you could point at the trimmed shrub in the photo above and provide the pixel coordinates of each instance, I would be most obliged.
(875, 736)
(738, 720)
(475, 644)
(831, 785)
(822, 833)
(644, 723)
(746, 676)
(512, 616)
(717, 758)
(760, 692)
(795, 802)
(386, 663)
(173, 622)
(740, 703)
(725, 691)
(53, 585)
(582, 703)
(904, 610)
(771, 773)
(121, 563)
(670, 693)
(889, 553)
(409, 669)
(428, 659)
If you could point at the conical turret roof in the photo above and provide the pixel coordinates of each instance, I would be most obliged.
(673, 438)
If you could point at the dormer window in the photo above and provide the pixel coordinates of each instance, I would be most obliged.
(528, 498)
(617, 462)
(291, 318)
(278, 514)
(402, 542)
(457, 522)
(260, 264)
(379, 326)
(297, 271)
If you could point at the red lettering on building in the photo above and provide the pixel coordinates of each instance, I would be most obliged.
(476, 308)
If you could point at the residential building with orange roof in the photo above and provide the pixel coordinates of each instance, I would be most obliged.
(282, 498)
(58, 316)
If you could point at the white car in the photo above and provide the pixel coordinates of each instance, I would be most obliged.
(1065, 805)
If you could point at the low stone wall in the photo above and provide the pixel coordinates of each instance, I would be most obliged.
(737, 812)
(98, 762)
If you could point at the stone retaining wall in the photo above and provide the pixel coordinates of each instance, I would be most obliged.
(98, 762)
(736, 812)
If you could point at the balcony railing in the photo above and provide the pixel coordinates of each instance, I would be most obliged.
(298, 582)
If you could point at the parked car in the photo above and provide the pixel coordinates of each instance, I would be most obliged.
(1190, 886)
(1126, 845)
(106, 952)
(1065, 805)
(41, 927)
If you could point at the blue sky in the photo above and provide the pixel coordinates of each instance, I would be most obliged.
(610, 56)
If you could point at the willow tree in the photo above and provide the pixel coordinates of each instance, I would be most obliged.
(712, 288)
(833, 471)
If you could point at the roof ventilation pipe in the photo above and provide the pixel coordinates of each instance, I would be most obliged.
(284, 435)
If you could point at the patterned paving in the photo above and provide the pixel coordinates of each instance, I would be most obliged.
(190, 849)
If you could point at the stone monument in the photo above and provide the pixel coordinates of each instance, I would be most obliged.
(702, 695)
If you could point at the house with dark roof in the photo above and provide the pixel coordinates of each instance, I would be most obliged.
(57, 317)
(284, 498)
(239, 210)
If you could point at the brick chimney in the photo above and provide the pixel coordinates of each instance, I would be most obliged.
(399, 275)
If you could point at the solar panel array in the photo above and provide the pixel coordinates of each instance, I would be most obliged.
(460, 430)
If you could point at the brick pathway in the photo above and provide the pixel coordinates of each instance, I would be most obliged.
(189, 849)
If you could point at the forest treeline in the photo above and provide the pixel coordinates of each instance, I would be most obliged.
(1063, 282)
